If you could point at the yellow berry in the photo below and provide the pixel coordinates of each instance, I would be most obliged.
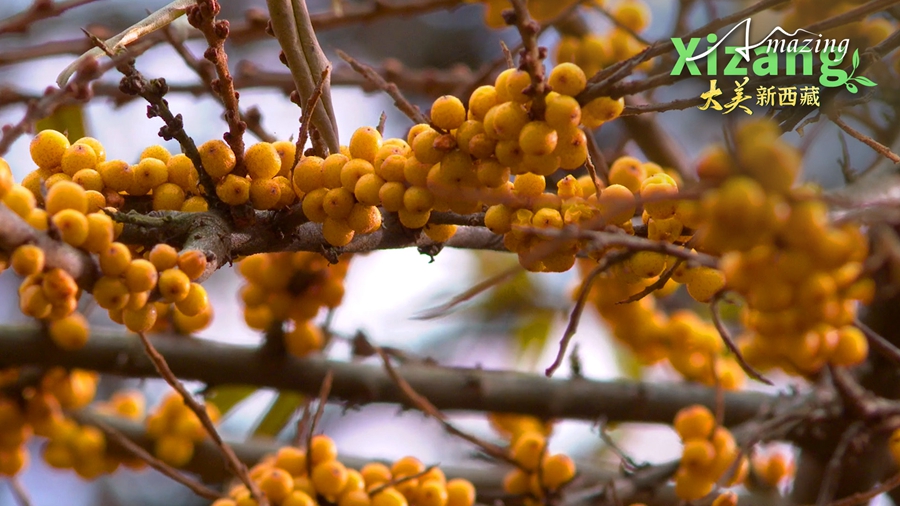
(174, 285)
(460, 492)
(389, 497)
(27, 260)
(69, 333)
(76, 158)
(168, 197)
(364, 219)
(195, 302)
(156, 151)
(329, 478)
(89, 179)
(527, 450)
(529, 185)
(537, 138)
(367, 189)
(140, 320)
(195, 205)
(364, 143)
(262, 161)
(47, 148)
(322, 449)
(567, 79)
(516, 85)
(852, 347)
(313, 205)
(694, 422)
(217, 158)
(448, 112)
(481, 101)
(72, 226)
(264, 194)
(557, 470)
(332, 167)
(117, 175)
(176, 451)
(629, 172)
(600, 110)
(110, 293)
(337, 231)
(233, 190)
(276, 484)
(148, 174)
(182, 172)
(309, 173)
(66, 195)
(95, 145)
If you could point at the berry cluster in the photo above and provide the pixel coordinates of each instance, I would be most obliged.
(175, 429)
(799, 275)
(540, 10)
(298, 477)
(539, 473)
(772, 469)
(709, 453)
(291, 288)
(595, 51)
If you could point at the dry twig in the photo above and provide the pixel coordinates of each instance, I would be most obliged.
(405, 106)
(730, 344)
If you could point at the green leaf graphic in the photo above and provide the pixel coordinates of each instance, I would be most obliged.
(865, 81)
(851, 87)
(855, 59)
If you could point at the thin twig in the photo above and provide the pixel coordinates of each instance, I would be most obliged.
(832, 476)
(844, 161)
(425, 406)
(510, 61)
(730, 344)
(879, 343)
(382, 120)
(864, 497)
(878, 147)
(231, 460)
(306, 116)
(405, 106)
(19, 492)
(656, 285)
(593, 149)
(399, 481)
(575, 316)
(445, 308)
(167, 470)
(324, 392)
(531, 57)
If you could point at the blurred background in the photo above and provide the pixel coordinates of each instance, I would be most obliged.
(516, 326)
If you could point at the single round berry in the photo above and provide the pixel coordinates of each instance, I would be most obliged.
(217, 158)
(27, 260)
(78, 157)
(262, 161)
(174, 285)
(72, 226)
(567, 79)
(448, 112)
(364, 143)
(47, 149)
(66, 195)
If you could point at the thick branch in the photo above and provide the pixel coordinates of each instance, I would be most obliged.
(448, 389)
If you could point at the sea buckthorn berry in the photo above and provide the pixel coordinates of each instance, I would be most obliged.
(156, 151)
(392, 168)
(47, 148)
(140, 320)
(600, 110)
(78, 157)
(58, 285)
(389, 497)
(69, 333)
(168, 197)
(629, 172)
(338, 203)
(547, 218)
(329, 478)
(233, 190)
(448, 112)
(505, 121)
(193, 263)
(174, 285)
(140, 276)
(852, 347)
(424, 146)
(33, 302)
(412, 219)
(481, 101)
(190, 324)
(27, 260)
(894, 445)
(364, 219)
(148, 174)
(313, 205)
(556, 471)
(110, 293)
(364, 143)
(322, 449)
(195, 205)
(277, 484)
(567, 79)
(337, 231)
(440, 233)
(309, 173)
(391, 196)
(291, 459)
(89, 179)
(704, 282)
(163, 257)
(72, 226)
(460, 492)
(727, 498)
(181, 171)
(516, 84)
(286, 192)
(299, 498)
(262, 161)
(529, 185)
(195, 302)
(57, 178)
(217, 158)
(694, 422)
(527, 450)
(117, 175)
(353, 171)
(38, 219)
(176, 451)
(66, 195)
(691, 487)
(98, 148)
(264, 194)
(537, 138)
(431, 493)
(417, 200)
(287, 152)
(616, 204)
(6, 179)
(657, 193)
(697, 455)
(633, 14)
(376, 473)
(115, 260)
(333, 167)
(562, 111)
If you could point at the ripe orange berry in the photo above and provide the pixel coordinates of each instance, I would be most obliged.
(527, 449)
(338, 203)
(313, 205)
(66, 195)
(148, 174)
(110, 293)
(600, 110)
(195, 205)
(291, 459)
(69, 333)
(27, 260)
(168, 197)
(264, 194)
(309, 173)
(367, 189)
(277, 484)
(481, 101)
(72, 226)
(140, 276)
(694, 422)
(262, 161)
(391, 196)
(233, 190)
(329, 478)
(47, 148)
(557, 470)
(176, 451)
(115, 259)
(337, 231)
(89, 179)
(117, 175)
(195, 302)
(182, 172)
(95, 145)
(333, 167)
(448, 112)
(516, 83)
(6, 178)
(460, 492)
(156, 151)
(852, 347)
(364, 219)
(322, 449)
(174, 285)
(217, 158)
(567, 79)
(364, 143)
(140, 320)
(193, 263)
(76, 158)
